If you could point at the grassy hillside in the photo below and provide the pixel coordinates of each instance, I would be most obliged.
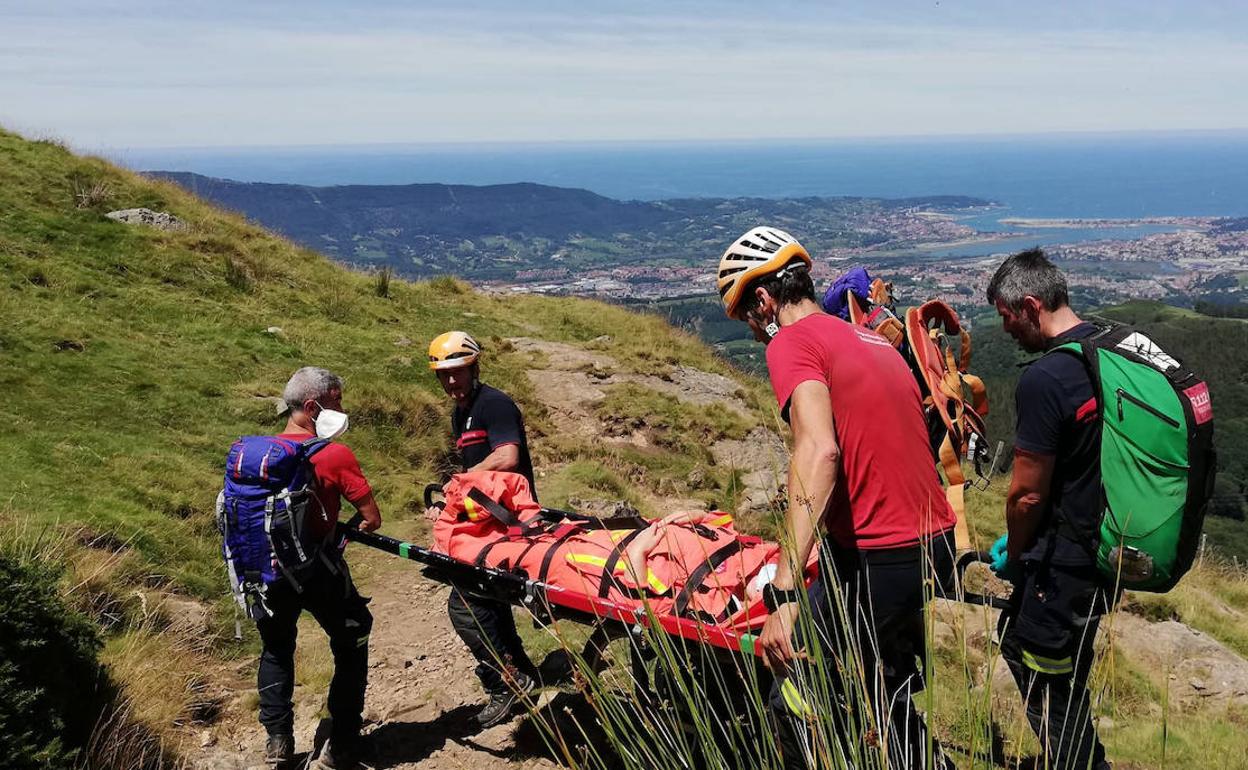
(131, 357)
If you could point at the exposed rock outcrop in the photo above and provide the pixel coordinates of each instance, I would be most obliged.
(157, 219)
(1197, 666)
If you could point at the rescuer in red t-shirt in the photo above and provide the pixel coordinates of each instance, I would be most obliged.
(314, 397)
(862, 470)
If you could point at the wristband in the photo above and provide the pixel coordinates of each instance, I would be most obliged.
(774, 597)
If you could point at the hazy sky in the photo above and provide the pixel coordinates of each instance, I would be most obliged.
(104, 74)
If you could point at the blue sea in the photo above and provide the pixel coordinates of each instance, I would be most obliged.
(1058, 175)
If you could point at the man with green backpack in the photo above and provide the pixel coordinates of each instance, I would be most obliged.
(1113, 465)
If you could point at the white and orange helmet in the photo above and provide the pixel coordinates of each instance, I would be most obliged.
(761, 251)
(453, 349)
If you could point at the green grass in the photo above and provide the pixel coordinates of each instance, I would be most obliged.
(669, 422)
(133, 357)
(585, 480)
(130, 358)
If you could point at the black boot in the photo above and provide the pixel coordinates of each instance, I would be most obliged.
(503, 702)
(340, 753)
(279, 749)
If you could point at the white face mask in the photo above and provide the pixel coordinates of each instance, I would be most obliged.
(330, 424)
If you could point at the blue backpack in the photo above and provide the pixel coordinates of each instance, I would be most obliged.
(262, 514)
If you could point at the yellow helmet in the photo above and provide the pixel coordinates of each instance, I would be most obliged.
(453, 349)
(761, 251)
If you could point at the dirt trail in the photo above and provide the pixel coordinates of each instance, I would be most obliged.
(422, 692)
(574, 380)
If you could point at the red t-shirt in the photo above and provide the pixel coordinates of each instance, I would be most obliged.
(887, 491)
(338, 475)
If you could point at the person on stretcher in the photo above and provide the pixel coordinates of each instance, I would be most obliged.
(689, 563)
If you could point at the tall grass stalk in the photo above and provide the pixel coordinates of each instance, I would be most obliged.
(680, 704)
(381, 282)
(664, 702)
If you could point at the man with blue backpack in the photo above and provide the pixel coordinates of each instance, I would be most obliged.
(278, 515)
(1113, 463)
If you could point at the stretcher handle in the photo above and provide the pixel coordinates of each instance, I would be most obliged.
(430, 491)
(966, 560)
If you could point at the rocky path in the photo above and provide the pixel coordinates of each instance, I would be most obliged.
(422, 693)
(572, 381)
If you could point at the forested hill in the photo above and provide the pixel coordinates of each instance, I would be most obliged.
(312, 214)
(498, 232)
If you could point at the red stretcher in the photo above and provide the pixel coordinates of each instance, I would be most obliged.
(615, 605)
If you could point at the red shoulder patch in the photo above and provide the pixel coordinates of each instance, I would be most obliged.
(1202, 405)
(1086, 412)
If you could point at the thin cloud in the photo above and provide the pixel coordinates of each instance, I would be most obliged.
(137, 74)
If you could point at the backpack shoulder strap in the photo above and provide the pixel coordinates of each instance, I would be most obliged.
(1085, 351)
(313, 445)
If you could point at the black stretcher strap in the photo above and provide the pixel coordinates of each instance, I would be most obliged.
(699, 575)
(430, 491)
(480, 560)
(494, 509)
(550, 554)
(608, 569)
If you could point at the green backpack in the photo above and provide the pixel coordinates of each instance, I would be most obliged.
(1157, 458)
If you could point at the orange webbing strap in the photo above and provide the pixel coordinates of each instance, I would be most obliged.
(944, 395)
(951, 464)
(892, 330)
(951, 381)
(929, 329)
(881, 293)
(926, 355)
(979, 394)
(942, 314)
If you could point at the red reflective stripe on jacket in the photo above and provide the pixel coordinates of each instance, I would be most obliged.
(468, 438)
(1087, 411)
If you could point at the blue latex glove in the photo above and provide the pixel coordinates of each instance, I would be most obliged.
(999, 555)
(1001, 565)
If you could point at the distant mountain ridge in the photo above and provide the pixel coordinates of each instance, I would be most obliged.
(494, 231)
(302, 212)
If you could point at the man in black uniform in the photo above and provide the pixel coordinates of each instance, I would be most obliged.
(1051, 516)
(489, 436)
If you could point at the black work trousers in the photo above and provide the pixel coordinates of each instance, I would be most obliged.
(1047, 640)
(489, 630)
(331, 598)
(855, 692)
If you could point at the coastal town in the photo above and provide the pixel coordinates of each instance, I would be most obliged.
(1201, 255)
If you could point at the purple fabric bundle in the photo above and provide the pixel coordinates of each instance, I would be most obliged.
(857, 281)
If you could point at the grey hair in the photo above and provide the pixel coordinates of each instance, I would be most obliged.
(309, 383)
(1028, 273)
